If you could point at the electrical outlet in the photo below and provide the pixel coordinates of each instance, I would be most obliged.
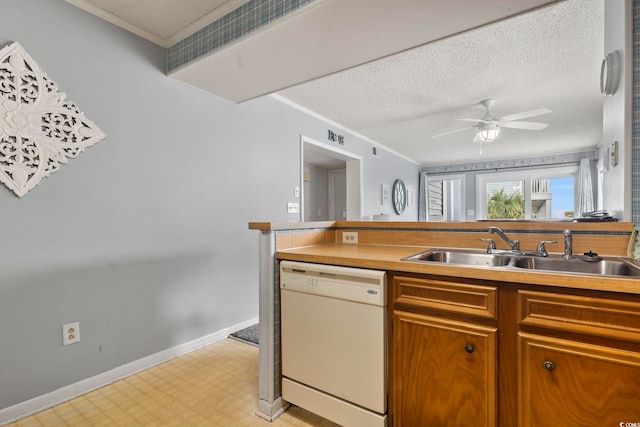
(350, 237)
(71, 333)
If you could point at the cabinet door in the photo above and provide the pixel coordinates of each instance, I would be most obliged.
(443, 372)
(567, 383)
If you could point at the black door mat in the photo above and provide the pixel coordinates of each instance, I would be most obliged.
(248, 335)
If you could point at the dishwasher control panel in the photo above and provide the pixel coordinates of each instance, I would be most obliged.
(300, 283)
(351, 284)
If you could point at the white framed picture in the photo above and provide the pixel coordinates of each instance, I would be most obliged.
(386, 195)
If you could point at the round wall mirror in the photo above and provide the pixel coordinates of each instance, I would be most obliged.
(399, 194)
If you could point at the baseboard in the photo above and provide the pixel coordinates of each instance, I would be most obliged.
(271, 410)
(56, 397)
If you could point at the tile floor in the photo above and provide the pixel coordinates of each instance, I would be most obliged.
(216, 385)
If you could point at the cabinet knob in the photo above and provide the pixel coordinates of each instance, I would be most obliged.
(548, 365)
(468, 348)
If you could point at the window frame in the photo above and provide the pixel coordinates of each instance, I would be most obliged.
(525, 175)
(445, 177)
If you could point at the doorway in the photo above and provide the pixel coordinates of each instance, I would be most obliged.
(331, 183)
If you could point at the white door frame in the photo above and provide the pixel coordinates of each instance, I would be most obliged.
(354, 175)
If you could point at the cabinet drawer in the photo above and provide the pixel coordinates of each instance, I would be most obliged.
(586, 315)
(455, 297)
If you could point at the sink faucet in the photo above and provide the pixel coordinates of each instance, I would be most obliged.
(514, 244)
(568, 244)
(491, 247)
(541, 250)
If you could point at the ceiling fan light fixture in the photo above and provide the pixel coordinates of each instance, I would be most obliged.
(488, 132)
(488, 127)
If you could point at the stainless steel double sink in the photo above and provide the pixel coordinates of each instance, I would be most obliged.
(588, 264)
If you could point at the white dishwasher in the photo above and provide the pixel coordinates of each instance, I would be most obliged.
(333, 336)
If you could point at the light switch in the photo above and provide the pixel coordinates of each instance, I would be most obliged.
(293, 208)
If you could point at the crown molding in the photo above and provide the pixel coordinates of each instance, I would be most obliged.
(197, 25)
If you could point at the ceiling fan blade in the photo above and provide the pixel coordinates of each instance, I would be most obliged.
(453, 131)
(472, 120)
(524, 125)
(525, 114)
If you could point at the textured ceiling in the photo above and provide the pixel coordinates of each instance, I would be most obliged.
(547, 58)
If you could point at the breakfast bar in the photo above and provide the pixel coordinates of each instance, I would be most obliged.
(512, 308)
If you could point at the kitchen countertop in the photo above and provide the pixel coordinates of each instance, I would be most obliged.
(388, 257)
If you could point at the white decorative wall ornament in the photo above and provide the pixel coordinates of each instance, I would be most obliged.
(39, 129)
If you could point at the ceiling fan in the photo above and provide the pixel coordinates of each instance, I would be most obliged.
(489, 125)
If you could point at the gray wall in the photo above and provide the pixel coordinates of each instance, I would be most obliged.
(339, 194)
(315, 193)
(385, 170)
(143, 239)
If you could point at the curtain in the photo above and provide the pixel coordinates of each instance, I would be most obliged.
(422, 202)
(584, 189)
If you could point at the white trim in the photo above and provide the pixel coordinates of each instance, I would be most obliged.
(276, 408)
(56, 397)
(330, 122)
(601, 164)
(446, 200)
(354, 176)
(116, 20)
(627, 145)
(196, 25)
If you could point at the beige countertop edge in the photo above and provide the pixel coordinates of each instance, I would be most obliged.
(389, 258)
(624, 227)
(279, 226)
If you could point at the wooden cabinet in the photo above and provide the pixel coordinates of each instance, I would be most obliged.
(579, 364)
(542, 357)
(443, 369)
(445, 372)
(569, 383)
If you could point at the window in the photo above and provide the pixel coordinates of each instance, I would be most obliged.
(537, 194)
(445, 197)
